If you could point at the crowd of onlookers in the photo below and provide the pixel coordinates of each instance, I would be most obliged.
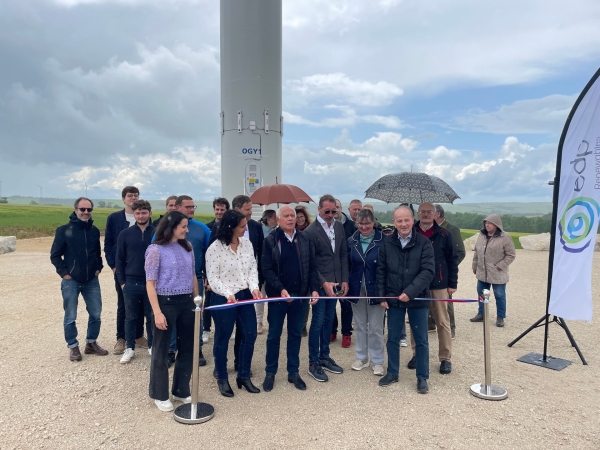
(379, 274)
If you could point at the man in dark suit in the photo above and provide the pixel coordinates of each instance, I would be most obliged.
(331, 261)
(254, 233)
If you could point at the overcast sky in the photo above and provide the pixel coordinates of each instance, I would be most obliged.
(117, 92)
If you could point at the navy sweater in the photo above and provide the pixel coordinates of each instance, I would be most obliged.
(131, 251)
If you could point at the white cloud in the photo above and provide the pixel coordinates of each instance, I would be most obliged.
(340, 87)
(542, 115)
(350, 118)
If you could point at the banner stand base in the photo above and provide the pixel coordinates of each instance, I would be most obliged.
(204, 412)
(537, 359)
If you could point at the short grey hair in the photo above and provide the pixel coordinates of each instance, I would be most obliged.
(440, 210)
(404, 207)
(355, 201)
(365, 214)
(280, 209)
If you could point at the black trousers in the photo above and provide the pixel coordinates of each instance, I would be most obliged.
(178, 310)
(139, 324)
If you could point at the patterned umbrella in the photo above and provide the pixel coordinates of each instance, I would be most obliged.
(411, 187)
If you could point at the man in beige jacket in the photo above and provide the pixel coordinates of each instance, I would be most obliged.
(494, 252)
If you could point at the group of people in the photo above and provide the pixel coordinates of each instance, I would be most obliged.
(159, 267)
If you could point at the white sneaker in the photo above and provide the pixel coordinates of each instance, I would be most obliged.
(205, 336)
(150, 351)
(165, 406)
(128, 354)
(378, 370)
(232, 337)
(188, 399)
(403, 343)
(359, 365)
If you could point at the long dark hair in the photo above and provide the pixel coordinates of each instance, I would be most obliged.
(230, 220)
(167, 224)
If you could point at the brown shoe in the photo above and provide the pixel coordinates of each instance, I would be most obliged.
(119, 347)
(92, 348)
(74, 354)
(141, 342)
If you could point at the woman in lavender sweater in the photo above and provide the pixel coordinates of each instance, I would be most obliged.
(171, 284)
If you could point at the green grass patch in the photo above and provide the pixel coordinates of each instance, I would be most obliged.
(25, 221)
(515, 236)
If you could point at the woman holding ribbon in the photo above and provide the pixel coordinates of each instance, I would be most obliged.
(363, 250)
(232, 274)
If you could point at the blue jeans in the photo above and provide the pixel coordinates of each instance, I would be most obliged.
(417, 318)
(295, 317)
(499, 295)
(320, 328)
(93, 304)
(135, 294)
(178, 310)
(224, 320)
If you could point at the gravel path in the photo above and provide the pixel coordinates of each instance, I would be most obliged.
(46, 401)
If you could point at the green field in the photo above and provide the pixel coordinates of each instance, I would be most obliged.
(24, 221)
(515, 236)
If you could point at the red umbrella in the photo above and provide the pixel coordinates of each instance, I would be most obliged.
(279, 193)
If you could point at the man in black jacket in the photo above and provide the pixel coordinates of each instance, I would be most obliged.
(131, 257)
(76, 255)
(444, 282)
(169, 206)
(115, 223)
(289, 271)
(405, 268)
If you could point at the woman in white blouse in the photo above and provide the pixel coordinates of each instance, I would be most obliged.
(233, 276)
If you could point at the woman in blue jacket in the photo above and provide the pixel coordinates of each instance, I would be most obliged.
(363, 249)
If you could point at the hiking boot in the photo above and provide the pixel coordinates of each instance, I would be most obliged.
(74, 354)
(500, 322)
(119, 347)
(92, 348)
(477, 318)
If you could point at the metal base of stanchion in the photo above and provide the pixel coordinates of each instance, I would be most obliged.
(537, 359)
(492, 392)
(204, 412)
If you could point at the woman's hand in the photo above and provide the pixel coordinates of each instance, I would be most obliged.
(384, 305)
(256, 295)
(160, 321)
(231, 299)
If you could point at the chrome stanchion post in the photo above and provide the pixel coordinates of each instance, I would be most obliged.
(487, 390)
(195, 412)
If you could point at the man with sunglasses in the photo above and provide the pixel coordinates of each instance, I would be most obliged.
(77, 257)
(331, 261)
(115, 223)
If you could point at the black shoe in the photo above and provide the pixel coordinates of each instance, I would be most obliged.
(225, 388)
(201, 359)
(412, 364)
(170, 359)
(422, 387)
(445, 367)
(500, 322)
(329, 365)
(453, 333)
(387, 379)
(431, 328)
(269, 382)
(297, 381)
(477, 318)
(315, 371)
(247, 383)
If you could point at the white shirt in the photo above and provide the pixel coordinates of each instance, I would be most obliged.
(130, 218)
(329, 230)
(229, 272)
(287, 236)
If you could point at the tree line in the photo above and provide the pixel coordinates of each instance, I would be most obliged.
(473, 221)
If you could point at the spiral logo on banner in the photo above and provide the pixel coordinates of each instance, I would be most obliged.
(577, 222)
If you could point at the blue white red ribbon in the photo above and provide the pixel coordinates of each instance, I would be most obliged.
(280, 299)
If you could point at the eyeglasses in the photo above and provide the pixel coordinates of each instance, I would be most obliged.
(85, 209)
(426, 212)
(130, 195)
(330, 211)
(190, 207)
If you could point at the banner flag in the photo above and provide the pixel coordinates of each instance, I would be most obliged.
(577, 210)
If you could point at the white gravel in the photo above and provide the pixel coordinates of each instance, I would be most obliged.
(46, 401)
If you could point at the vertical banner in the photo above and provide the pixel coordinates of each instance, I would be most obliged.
(578, 208)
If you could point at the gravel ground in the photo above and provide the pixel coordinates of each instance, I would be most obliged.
(46, 401)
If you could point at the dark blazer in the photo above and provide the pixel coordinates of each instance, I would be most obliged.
(363, 264)
(331, 266)
(257, 237)
(115, 223)
(349, 227)
(406, 270)
(271, 267)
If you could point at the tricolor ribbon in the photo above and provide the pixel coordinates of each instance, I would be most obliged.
(279, 299)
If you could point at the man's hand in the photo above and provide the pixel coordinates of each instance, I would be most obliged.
(404, 298)
(345, 289)
(314, 299)
(160, 321)
(256, 295)
(328, 288)
(67, 277)
(451, 291)
(284, 293)
(384, 305)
